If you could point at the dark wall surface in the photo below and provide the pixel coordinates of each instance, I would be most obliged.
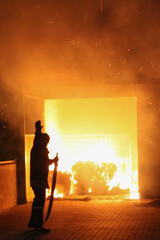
(8, 184)
(149, 140)
(12, 134)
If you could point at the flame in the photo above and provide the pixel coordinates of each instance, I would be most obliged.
(56, 194)
(90, 190)
(99, 152)
(97, 148)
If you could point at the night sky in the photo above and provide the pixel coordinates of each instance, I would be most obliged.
(56, 42)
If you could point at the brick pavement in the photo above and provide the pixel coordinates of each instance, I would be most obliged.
(88, 220)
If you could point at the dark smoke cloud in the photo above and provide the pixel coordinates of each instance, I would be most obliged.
(68, 42)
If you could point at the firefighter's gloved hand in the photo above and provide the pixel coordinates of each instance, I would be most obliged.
(38, 126)
(56, 159)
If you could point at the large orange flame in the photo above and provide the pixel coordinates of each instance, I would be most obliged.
(98, 148)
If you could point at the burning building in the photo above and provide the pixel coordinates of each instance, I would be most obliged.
(102, 137)
(86, 70)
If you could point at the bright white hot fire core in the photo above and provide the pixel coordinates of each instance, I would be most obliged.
(96, 140)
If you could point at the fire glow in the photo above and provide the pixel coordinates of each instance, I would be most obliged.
(93, 164)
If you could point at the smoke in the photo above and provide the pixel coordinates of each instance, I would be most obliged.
(78, 42)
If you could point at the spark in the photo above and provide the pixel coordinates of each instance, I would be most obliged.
(23, 13)
(136, 10)
(74, 42)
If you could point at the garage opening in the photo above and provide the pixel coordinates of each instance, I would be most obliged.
(96, 140)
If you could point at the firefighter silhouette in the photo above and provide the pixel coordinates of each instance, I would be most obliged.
(39, 168)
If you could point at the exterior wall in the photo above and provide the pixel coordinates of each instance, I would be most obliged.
(8, 185)
(28, 146)
(148, 141)
(33, 111)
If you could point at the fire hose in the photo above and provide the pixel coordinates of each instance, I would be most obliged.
(52, 192)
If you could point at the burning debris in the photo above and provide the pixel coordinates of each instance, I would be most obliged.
(87, 178)
(91, 178)
(63, 185)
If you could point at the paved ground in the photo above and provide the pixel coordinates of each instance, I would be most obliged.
(88, 220)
